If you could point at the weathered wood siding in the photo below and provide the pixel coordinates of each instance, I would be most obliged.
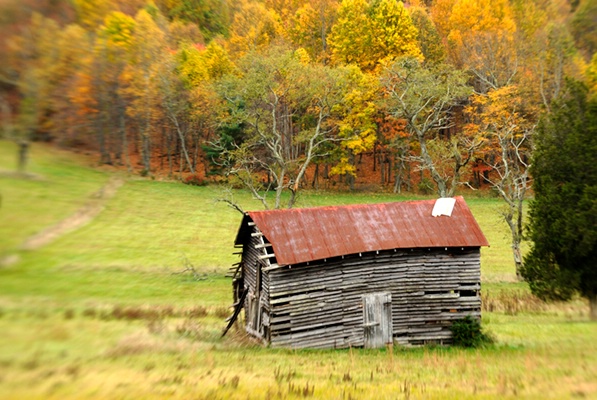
(250, 258)
(250, 272)
(321, 305)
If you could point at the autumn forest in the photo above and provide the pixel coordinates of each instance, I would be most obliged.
(132, 132)
(287, 94)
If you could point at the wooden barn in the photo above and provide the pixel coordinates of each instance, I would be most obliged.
(358, 275)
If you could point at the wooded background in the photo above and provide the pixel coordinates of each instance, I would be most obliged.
(421, 95)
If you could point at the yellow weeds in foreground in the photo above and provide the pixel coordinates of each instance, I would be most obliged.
(92, 359)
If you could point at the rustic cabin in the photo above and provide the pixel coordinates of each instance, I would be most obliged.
(358, 275)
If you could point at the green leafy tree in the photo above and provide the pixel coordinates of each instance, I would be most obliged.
(287, 108)
(425, 97)
(557, 58)
(429, 39)
(31, 67)
(211, 16)
(584, 27)
(591, 75)
(563, 215)
(505, 123)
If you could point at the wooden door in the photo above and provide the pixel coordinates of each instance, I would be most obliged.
(377, 319)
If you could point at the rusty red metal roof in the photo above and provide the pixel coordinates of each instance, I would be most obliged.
(308, 234)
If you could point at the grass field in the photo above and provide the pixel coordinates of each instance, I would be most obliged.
(105, 312)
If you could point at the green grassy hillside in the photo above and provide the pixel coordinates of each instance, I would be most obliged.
(106, 311)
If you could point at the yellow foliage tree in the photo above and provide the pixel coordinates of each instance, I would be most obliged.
(254, 28)
(192, 65)
(117, 30)
(440, 13)
(311, 25)
(140, 80)
(110, 55)
(356, 120)
(91, 13)
(481, 39)
(72, 58)
(217, 61)
(350, 41)
(369, 35)
(392, 31)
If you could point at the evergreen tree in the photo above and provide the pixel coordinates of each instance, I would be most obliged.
(563, 216)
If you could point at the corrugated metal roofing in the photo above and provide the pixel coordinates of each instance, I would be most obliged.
(308, 234)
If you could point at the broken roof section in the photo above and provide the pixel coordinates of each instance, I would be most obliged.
(308, 234)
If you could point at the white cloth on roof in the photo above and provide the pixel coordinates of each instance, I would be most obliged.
(443, 206)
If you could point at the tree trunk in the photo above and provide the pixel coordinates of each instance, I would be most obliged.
(195, 151)
(442, 189)
(145, 149)
(183, 147)
(374, 157)
(398, 168)
(180, 164)
(163, 138)
(397, 184)
(476, 180)
(409, 178)
(515, 225)
(125, 145)
(23, 155)
(517, 260)
(101, 139)
(593, 306)
(382, 170)
(292, 198)
(280, 176)
(389, 170)
(315, 183)
(519, 235)
(350, 179)
(169, 153)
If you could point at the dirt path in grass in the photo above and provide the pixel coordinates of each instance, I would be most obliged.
(81, 217)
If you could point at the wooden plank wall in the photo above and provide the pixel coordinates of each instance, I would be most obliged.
(320, 305)
(251, 260)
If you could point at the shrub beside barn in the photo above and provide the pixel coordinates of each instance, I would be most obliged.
(359, 275)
